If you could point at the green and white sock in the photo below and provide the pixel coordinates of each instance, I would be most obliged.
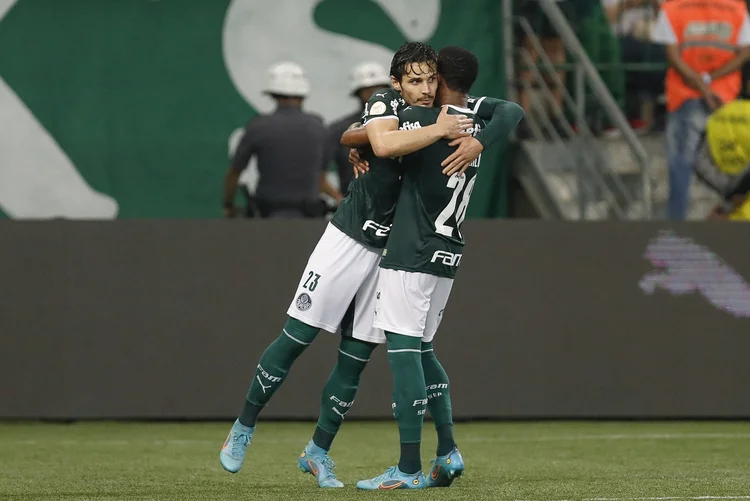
(438, 399)
(341, 388)
(274, 365)
(409, 397)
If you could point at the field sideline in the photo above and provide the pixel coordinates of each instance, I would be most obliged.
(550, 461)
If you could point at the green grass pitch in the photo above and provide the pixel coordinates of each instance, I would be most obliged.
(552, 461)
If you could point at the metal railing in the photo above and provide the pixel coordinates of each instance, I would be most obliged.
(596, 178)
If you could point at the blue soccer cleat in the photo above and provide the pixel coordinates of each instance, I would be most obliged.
(233, 451)
(317, 463)
(445, 469)
(393, 479)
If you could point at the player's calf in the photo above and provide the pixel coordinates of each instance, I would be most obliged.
(341, 388)
(409, 397)
(270, 373)
(274, 365)
(438, 399)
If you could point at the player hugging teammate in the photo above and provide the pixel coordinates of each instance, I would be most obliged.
(409, 210)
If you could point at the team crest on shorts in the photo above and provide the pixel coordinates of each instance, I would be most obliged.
(304, 302)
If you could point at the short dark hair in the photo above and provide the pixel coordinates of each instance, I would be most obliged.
(458, 68)
(409, 54)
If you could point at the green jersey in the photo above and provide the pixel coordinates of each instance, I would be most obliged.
(367, 211)
(426, 234)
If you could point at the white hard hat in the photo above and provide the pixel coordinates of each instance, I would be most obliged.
(287, 79)
(368, 75)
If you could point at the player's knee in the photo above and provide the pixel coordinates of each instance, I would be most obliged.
(353, 358)
(401, 342)
(428, 351)
(300, 332)
(356, 349)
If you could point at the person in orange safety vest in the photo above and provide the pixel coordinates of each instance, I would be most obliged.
(707, 42)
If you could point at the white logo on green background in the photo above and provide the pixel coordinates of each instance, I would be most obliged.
(37, 179)
(255, 37)
(40, 180)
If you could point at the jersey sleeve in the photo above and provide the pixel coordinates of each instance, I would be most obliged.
(382, 105)
(500, 116)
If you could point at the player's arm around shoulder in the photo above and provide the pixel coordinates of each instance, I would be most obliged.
(389, 141)
(501, 118)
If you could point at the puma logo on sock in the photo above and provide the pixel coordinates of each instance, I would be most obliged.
(262, 386)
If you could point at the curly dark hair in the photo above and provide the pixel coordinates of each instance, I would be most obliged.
(458, 68)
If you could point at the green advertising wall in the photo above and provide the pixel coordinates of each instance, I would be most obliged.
(124, 108)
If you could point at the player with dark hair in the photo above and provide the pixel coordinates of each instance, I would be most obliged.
(381, 114)
(338, 285)
(417, 269)
(337, 288)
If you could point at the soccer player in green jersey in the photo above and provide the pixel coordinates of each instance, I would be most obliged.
(337, 288)
(417, 270)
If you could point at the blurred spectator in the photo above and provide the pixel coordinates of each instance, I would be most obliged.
(706, 46)
(632, 21)
(603, 47)
(552, 45)
(365, 79)
(292, 153)
(632, 18)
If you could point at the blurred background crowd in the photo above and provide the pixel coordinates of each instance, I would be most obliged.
(667, 73)
(635, 108)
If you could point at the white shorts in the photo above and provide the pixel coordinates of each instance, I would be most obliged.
(411, 303)
(337, 288)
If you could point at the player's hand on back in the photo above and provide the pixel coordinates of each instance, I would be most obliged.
(359, 166)
(453, 126)
(469, 148)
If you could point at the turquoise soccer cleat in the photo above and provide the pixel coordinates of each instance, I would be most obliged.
(393, 479)
(317, 463)
(445, 469)
(233, 451)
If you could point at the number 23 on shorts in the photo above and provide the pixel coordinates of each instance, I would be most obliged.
(312, 281)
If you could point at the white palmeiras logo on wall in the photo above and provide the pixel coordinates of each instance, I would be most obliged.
(254, 37)
(304, 302)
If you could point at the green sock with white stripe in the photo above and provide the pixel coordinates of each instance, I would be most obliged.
(274, 366)
(438, 399)
(409, 397)
(341, 388)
